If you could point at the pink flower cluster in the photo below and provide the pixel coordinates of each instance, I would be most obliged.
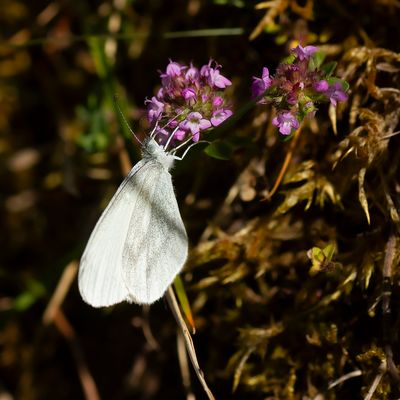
(298, 85)
(189, 101)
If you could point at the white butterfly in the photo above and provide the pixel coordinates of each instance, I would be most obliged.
(139, 244)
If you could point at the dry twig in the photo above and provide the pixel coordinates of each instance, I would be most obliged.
(184, 365)
(286, 163)
(61, 291)
(173, 304)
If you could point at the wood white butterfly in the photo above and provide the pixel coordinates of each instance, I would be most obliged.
(139, 244)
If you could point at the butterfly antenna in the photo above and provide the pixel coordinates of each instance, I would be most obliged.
(123, 117)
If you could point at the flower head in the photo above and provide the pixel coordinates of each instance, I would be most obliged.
(190, 101)
(298, 85)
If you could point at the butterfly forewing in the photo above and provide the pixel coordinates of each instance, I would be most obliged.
(100, 273)
(156, 246)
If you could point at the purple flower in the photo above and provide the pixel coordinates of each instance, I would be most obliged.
(321, 86)
(155, 109)
(162, 131)
(304, 53)
(217, 80)
(336, 93)
(220, 116)
(286, 122)
(173, 123)
(296, 89)
(217, 101)
(192, 74)
(205, 97)
(195, 122)
(189, 94)
(179, 134)
(260, 85)
(172, 77)
(213, 76)
(188, 100)
(173, 69)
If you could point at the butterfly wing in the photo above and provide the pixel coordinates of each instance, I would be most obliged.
(156, 247)
(100, 273)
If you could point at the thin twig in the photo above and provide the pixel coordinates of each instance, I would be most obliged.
(375, 383)
(61, 291)
(184, 366)
(173, 304)
(389, 135)
(286, 163)
(344, 378)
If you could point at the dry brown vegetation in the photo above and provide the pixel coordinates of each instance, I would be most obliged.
(274, 319)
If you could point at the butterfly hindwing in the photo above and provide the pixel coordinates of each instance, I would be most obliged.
(156, 246)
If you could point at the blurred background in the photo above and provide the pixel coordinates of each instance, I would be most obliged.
(63, 152)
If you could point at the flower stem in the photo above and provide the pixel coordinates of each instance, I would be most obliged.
(285, 165)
